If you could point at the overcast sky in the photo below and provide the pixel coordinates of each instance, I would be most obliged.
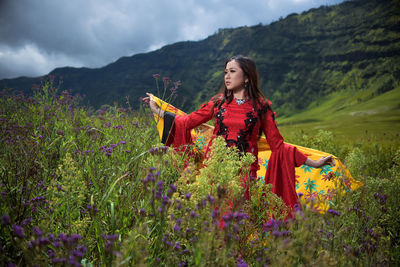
(37, 36)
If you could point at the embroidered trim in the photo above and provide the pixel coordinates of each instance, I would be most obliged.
(264, 110)
(223, 129)
(242, 139)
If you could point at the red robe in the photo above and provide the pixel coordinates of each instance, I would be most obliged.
(240, 125)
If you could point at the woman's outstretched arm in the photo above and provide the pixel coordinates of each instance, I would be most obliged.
(153, 106)
(321, 162)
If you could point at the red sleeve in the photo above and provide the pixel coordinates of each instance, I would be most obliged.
(182, 124)
(284, 158)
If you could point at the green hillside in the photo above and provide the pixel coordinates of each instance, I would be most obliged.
(304, 58)
(349, 118)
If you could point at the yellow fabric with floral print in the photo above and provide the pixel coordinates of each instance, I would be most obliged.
(316, 185)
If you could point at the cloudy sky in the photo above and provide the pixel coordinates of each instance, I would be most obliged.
(37, 36)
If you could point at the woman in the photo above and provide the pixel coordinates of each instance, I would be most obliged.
(242, 114)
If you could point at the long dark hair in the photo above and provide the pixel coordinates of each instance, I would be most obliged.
(253, 91)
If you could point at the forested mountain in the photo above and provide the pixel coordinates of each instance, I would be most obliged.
(351, 46)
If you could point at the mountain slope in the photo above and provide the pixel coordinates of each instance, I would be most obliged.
(351, 46)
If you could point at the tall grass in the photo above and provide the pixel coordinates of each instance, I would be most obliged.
(89, 188)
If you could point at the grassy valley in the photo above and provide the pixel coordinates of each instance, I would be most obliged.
(350, 116)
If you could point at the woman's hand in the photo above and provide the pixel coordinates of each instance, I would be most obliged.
(321, 162)
(153, 105)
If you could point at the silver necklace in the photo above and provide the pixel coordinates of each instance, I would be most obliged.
(240, 101)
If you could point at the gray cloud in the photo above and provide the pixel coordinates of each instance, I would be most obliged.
(38, 36)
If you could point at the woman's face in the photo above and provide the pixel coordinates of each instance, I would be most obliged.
(234, 76)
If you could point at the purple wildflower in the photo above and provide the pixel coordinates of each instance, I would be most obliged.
(18, 231)
(77, 254)
(210, 199)
(74, 238)
(239, 215)
(142, 212)
(59, 260)
(26, 222)
(60, 132)
(158, 195)
(118, 127)
(272, 224)
(44, 241)
(160, 184)
(177, 245)
(280, 233)
(165, 237)
(165, 200)
(201, 204)
(36, 231)
(334, 212)
(63, 238)
(177, 228)
(215, 213)
(30, 244)
(148, 178)
(5, 219)
(241, 263)
(73, 262)
(82, 248)
(158, 150)
(166, 81)
(227, 217)
(51, 253)
(172, 188)
(383, 199)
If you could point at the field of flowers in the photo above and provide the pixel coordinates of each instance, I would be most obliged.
(83, 187)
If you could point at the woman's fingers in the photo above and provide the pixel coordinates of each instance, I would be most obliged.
(333, 163)
(147, 98)
(326, 161)
(329, 160)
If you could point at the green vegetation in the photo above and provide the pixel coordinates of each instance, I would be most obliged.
(95, 188)
(351, 116)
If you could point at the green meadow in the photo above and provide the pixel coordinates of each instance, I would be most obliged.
(352, 116)
(85, 187)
